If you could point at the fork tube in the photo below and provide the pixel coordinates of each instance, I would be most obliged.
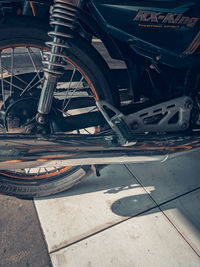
(47, 93)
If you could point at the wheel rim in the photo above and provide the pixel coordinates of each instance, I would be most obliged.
(12, 73)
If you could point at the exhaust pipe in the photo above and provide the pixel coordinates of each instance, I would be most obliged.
(24, 151)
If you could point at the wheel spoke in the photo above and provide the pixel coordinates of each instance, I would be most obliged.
(47, 170)
(40, 81)
(73, 92)
(87, 131)
(2, 80)
(15, 76)
(36, 54)
(38, 171)
(11, 77)
(27, 88)
(11, 81)
(28, 85)
(34, 66)
(13, 85)
(92, 109)
(69, 86)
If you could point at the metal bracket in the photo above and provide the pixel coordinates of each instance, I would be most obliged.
(173, 115)
(116, 122)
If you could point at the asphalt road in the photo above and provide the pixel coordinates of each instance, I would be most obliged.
(21, 240)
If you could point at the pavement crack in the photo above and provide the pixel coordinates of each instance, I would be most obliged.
(166, 202)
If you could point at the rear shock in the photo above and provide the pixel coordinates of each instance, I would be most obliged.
(63, 21)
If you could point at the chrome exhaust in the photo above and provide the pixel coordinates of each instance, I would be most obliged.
(24, 151)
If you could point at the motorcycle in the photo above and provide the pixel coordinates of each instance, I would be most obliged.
(65, 113)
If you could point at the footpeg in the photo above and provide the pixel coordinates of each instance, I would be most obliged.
(116, 122)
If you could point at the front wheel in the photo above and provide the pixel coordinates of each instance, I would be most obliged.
(22, 45)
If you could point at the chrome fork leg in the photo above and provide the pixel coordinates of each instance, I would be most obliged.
(46, 96)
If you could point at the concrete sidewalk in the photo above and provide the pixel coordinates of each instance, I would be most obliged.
(133, 215)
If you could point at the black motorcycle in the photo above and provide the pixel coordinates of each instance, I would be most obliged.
(65, 112)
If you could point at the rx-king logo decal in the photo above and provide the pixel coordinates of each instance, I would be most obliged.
(165, 18)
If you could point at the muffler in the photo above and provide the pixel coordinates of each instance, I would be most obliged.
(24, 151)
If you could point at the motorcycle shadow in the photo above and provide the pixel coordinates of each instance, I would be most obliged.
(171, 187)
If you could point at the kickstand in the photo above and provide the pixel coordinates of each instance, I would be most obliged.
(95, 169)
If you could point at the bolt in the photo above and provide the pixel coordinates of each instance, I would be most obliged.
(30, 129)
(41, 118)
(184, 125)
(134, 125)
(188, 104)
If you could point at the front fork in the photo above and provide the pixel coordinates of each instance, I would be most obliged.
(46, 98)
(63, 20)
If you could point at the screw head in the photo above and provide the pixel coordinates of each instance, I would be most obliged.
(158, 58)
(188, 104)
(41, 118)
(184, 126)
(134, 125)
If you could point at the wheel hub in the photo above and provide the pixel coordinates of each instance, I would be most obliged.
(19, 115)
